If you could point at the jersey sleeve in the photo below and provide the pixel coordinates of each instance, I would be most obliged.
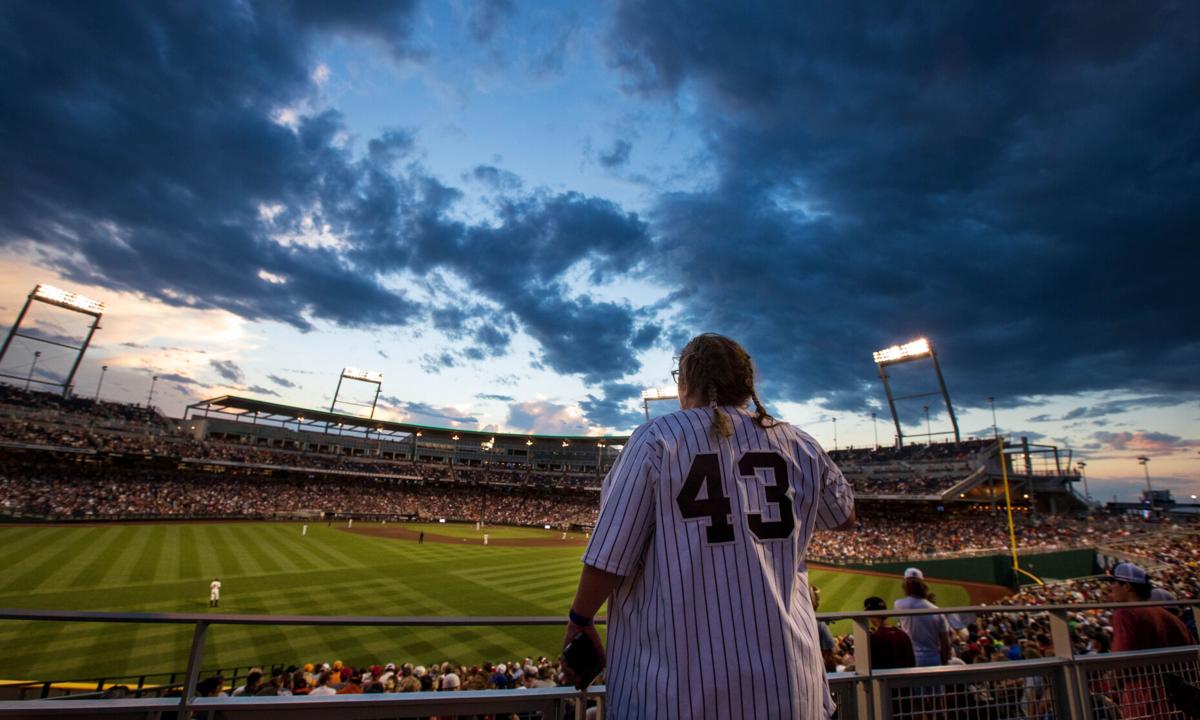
(627, 506)
(837, 498)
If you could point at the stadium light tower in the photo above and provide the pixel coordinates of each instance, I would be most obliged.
(361, 376)
(918, 349)
(150, 397)
(50, 295)
(100, 382)
(655, 394)
(1145, 463)
(36, 356)
(1082, 467)
(995, 429)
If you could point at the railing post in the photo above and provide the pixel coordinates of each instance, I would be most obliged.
(1072, 701)
(195, 657)
(866, 690)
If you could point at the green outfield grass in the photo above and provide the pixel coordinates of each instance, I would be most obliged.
(270, 568)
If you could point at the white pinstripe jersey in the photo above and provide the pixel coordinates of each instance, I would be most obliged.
(714, 617)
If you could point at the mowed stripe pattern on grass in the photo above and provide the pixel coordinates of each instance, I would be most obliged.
(266, 568)
(269, 568)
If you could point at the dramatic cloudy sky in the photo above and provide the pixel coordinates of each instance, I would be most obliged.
(519, 211)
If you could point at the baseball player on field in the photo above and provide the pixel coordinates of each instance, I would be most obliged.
(699, 551)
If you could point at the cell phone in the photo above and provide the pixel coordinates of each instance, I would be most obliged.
(581, 656)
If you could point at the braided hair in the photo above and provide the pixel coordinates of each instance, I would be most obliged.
(721, 370)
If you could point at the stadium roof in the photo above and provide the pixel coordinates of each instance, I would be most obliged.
(278, 412)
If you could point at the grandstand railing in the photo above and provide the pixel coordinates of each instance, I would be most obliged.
(1126, 685)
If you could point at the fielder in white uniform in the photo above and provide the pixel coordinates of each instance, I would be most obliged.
(699, 550)
(214, 593)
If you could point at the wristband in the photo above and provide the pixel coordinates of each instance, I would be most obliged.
(578, 619)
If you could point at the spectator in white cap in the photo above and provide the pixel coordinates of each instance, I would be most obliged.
(1140, 628)
(930, 634)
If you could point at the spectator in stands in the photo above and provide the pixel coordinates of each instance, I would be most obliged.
(824, 637)
(253, 682)
(890, 646)
(211, 687)
(1141, 628)
(300, 685)
(322, 687)
(930, 634)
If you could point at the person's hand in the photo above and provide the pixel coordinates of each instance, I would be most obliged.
(568, 673)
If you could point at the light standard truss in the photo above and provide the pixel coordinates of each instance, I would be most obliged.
(56, 297)
(365, 376)
(918, 349)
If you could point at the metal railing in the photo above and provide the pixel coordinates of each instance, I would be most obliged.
(1120, 686)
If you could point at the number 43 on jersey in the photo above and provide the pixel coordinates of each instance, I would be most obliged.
(706, 473)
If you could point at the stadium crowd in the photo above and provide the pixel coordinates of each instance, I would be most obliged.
(338, 678)
(881, 536)
(86, 492)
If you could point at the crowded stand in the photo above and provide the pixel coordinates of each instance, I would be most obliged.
(886, 534)
(82, 460)
(337, 678)
(94, 492)
(911, 470)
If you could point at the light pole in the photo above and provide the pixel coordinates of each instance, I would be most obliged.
(1082, 467)
(1145, 463)
(835, 447)
(100, 382)
(995, 431)
(151, 395)
(928, 428)
(36, 354)
(875, 427)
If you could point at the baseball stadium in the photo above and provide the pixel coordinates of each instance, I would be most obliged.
(616, 359)
(315, 543)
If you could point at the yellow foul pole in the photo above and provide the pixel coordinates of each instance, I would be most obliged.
(1012, 532)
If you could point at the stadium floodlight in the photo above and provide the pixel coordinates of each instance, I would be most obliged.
(566, 444)
(529, 442)
(68, 299)
(916, 349)
(651, 394)
(364, 375)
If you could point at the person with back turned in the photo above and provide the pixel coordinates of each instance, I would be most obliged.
(699, 550)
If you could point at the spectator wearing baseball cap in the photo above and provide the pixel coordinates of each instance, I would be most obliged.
(1140, 628)
(890, 646)
(930, 634)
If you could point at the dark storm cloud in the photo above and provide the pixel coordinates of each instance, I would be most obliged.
(612, 407)
(518, 262)
(153, 157)
(262, 390)
(1015, 181)
(618, 155)
(281, 382)
(141, 156)
(228, 369)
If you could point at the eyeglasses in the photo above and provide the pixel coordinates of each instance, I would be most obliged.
(675, 370)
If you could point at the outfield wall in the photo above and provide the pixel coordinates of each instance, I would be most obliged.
(997, 569)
